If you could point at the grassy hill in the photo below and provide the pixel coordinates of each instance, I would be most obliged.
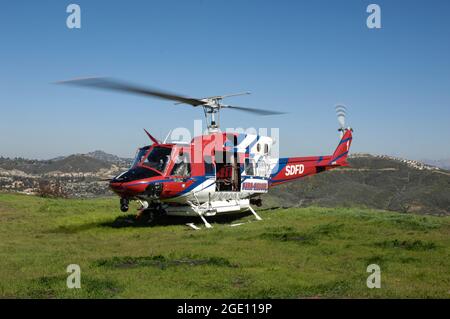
(292, 253)
(373, 182)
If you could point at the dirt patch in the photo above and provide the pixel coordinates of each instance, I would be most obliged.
(309, 237)
(417, 245)
(410, 222)
(73, 229)
(291, 236)
(328, 229)
(162, 262)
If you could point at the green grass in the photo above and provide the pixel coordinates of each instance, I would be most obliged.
(292, 253)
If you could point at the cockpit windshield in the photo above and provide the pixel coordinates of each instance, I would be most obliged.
(158, 158)
(140, 155)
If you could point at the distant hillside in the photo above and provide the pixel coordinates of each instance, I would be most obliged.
(380, 182)
(371, 181)
(110, 158)
(69, 164)
(78, 163)
(443, 163)
(78, 175)
(102, 156)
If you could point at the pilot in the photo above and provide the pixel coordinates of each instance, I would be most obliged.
(181, 167)
(162, 162)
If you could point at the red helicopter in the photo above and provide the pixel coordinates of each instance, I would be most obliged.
(216, 173)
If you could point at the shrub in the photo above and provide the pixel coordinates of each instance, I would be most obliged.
(49, 189)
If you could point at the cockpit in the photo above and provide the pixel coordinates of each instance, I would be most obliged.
(158, 158)
(155, 157)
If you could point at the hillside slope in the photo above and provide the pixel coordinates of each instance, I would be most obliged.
(294, 253)
(69, 164)
(78, 175)
(379, 182)
(443, 163)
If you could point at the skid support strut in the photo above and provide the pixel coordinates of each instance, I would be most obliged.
(254, 213)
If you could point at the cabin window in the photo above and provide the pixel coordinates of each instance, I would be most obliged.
(182, 166)
(209, 166)
(266, 148)
(249, 167)
(258, 147)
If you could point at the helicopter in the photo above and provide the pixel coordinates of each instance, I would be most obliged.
(217, 172)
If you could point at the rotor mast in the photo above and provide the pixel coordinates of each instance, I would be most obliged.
(210, 118)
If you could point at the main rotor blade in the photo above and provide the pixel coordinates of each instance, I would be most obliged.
(253, 110)
(221, 97)
(115, 85)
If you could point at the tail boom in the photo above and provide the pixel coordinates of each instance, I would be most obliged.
(292, 168)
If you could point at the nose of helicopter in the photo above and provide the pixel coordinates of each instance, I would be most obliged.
(135, 181)
(115, 184)
(117, 187)
(128, 189)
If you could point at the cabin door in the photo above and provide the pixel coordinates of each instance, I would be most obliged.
(228, 172)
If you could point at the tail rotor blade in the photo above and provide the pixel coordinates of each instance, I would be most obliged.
(341, 112)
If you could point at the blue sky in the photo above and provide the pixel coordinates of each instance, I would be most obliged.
(302, 57)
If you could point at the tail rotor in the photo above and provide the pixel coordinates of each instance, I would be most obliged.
(341, 113)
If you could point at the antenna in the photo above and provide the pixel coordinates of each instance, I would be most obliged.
(167, 137)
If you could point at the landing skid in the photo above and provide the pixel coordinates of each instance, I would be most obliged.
(192, 225)
(201, 214)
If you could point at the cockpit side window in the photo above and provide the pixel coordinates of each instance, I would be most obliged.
(158, 158)
(182, 166)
